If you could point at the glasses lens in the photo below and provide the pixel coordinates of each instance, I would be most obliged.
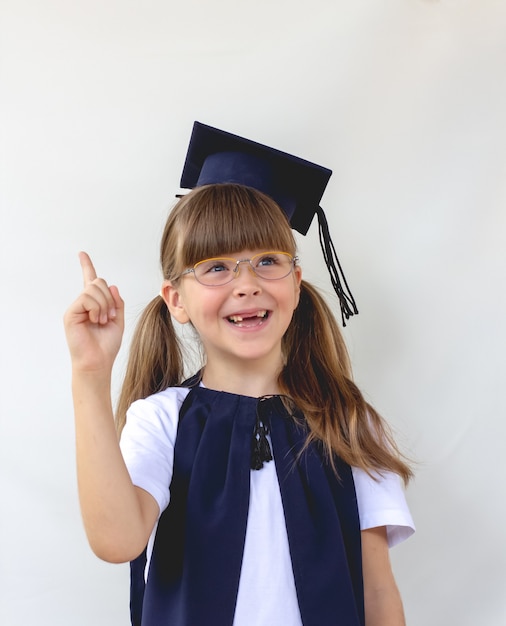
(272, 265)
(215, 271)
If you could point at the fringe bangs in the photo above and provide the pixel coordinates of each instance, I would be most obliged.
(227, 218)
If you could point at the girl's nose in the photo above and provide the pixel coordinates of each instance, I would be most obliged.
(246, 282)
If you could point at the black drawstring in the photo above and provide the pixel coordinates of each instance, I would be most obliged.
(260, 448)
(346, 300)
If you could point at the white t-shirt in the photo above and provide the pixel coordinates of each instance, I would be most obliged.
(147, 444)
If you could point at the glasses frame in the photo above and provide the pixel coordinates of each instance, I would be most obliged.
(235, 272)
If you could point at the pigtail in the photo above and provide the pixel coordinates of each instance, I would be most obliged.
(155, 360)
(318, 378)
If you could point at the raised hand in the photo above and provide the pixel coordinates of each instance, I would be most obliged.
(118, 517)
(94, 323)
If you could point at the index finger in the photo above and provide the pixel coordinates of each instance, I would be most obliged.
(89, 273)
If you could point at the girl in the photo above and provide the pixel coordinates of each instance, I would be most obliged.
(262, 491)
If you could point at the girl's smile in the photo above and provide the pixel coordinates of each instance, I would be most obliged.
(248, 319)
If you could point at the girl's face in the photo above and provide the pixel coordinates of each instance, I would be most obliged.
(241, 321)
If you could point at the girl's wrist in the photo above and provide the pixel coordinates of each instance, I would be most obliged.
(91, 381)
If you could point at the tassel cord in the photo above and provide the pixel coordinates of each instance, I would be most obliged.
(260, 449)
(346, 300)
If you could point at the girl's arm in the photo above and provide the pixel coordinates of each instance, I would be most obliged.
(383, 605)
(118, 517)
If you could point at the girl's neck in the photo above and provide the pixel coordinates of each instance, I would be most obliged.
(244, 381)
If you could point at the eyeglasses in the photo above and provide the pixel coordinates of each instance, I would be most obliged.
(220, 271)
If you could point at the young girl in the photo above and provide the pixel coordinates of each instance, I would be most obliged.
(262, 491)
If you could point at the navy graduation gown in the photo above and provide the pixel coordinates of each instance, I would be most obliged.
(195, 567)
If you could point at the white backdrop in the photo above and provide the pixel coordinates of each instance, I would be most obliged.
(406, 101)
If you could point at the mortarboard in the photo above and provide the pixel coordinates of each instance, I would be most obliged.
(215, 156)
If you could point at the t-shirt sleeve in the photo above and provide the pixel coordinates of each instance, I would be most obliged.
(382, 502)
(147, 442)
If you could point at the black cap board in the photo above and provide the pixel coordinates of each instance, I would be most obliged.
(215, 156)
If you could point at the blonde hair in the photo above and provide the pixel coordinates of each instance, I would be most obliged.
(317, 376)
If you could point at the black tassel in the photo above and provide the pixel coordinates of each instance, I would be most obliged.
(346, 300)
(260, 448)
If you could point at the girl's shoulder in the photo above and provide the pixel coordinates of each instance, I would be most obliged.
(166, 399)
(160, 410)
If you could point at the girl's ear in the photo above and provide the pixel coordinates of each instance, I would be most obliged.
(174, 302)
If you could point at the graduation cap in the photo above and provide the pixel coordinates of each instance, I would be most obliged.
(215, 156)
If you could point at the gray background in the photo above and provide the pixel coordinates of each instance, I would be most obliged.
(406, 101)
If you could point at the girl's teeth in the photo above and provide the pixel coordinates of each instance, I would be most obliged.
(239, 318)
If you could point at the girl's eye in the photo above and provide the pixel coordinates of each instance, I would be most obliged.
(265, 261)
(216, 267)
